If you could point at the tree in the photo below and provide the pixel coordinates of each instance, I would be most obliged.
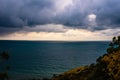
(114, 40)
(118, 41)
(111, 45)
(114, 45)
(3, 57)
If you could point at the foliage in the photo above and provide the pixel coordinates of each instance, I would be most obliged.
(114, 45)
(3, 57)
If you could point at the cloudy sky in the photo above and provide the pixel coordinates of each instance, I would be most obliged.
(59, 19)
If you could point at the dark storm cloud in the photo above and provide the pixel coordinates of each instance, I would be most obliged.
(108, 14)
(19, 13)
(5, 31)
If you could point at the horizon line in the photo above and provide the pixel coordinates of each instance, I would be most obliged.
(60, 40)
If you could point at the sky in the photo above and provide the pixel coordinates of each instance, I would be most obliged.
(67, 20)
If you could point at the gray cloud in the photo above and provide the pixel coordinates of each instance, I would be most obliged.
(108, 14)
(16, 14)
(23, 12)
(6, 31)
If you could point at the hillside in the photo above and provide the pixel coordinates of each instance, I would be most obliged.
(107, 67)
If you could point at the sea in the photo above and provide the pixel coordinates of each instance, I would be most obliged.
(42, 59)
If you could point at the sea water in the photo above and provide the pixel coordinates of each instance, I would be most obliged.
(39, 59)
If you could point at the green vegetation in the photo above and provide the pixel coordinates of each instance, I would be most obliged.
(107, 67)
(3, 73)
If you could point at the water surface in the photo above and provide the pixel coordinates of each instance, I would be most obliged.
(45, 58)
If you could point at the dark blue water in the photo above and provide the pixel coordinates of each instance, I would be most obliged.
(45, 58)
